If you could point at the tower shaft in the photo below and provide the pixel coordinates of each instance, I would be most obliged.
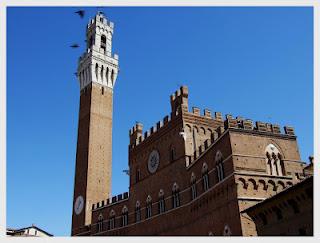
(97, 72)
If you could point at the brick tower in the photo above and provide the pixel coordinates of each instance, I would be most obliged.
(97, 73)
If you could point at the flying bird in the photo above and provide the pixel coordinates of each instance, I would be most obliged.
(74, 46)
(80, 13)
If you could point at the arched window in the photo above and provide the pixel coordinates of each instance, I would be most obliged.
(205, 177)
(274, 161)
(107, 75)
(103, 43)
(125, 214)
(193, 186)
(112, 76)
(101, 73)
(148, 207)
(100, 223)
(175, 196)
(112, 219)
(96, 70)
(162, 207)
(219, 166)
(138, 211)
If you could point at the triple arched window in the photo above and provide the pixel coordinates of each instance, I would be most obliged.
(274, 161)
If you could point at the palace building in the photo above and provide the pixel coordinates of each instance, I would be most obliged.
(192, 173)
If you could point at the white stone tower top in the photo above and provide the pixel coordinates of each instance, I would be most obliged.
(98, 65)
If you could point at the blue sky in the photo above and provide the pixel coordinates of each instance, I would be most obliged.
(252, 62)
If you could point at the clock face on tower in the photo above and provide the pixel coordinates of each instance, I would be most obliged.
(153, 161)
(78, 205)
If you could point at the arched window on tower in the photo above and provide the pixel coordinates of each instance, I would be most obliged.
(107, 75)
(138, 211)
(274, 161)
(101, 73)
(103, 43)
(175, 196)
(96, 71)
(112, 76)
(148, 207)
(205, 177)
(193, 186)
(219, 166)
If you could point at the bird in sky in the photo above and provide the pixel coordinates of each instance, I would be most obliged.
(80, 13)
(74, 45)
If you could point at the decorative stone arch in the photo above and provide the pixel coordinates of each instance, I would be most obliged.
(289, 183)
(161, 193)
(138, 204)
(226, 231)
(243, 182)
(149, 199)
(202, 131)
(112, 213)
(204, 168)
(175, 187)
(273, 184)
(192, 178)
(100, 217)
(263, 184)
(254, 183)
(218, 157)
(196, 129)
(280, 185)
(124, 209)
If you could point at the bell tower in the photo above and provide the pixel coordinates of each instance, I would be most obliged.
(97, 73)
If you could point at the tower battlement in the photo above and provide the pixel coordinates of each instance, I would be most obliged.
(100, 21)
(180, 99)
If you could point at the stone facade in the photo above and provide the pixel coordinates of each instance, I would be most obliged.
(195, 174)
